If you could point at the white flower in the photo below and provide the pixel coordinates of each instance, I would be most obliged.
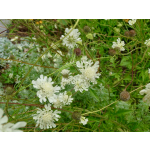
(66, 79)
(34, 38)
(10, 75)
(131, 22)
(19, 46)
(17, 79)
(119, 44)
(88, 70)
(54, 46)
(65, 72)
(146, 90)
(148, 86)
(55, 25)
(62, 99)
(94, 34)
(147, 42)
(43, 57)
(80, 83)
(37, 68)
(71, 40)
(46, 89)
(14, 39)
(83, 120)
(9, 127)
(58, 103)
(142, 92)
(49, 55)
(66, 99)
(148, 70)
(45, 118)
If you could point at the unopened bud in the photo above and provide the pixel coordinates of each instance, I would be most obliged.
(9, 90)
(132, 33)
(76, 115)
(77, 51)
(127, 33)
(124, 95)
(112, 52)
(89, 36)
(69, 93)
(87, 29)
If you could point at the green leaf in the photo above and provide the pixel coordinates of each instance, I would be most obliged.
(94, 95)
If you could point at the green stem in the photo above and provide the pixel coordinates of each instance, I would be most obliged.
(100, 109)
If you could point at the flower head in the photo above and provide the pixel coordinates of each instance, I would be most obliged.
(45, 118)
(147, 42)
(132, 21)
(46, 88)
(10, 75)
(88, 70)
(119, 45)
(71, 40)
(83, 120)
(80, 83)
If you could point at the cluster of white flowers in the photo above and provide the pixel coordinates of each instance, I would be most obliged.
(9, 127)
(147, 42)
(132, 22)
(45, 118)
(71, 40)
(88, 74)
(119, 45)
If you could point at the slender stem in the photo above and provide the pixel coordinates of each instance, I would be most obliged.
(99, 109)
(28, 63)
(137, 89)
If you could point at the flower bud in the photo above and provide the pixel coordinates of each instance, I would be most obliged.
(77, 51)
(120, 24)
(89, 36)
(124, 95)
(41, 27)
(76, 115)
(112, 52)
(9, 90)
(132, 33)
(117, 30)
(127, 33)
(87, 29)
(69, 93)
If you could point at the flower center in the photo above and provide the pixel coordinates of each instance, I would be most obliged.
(47, 87)
(71, 39)
(89, 72)
(47, 117)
